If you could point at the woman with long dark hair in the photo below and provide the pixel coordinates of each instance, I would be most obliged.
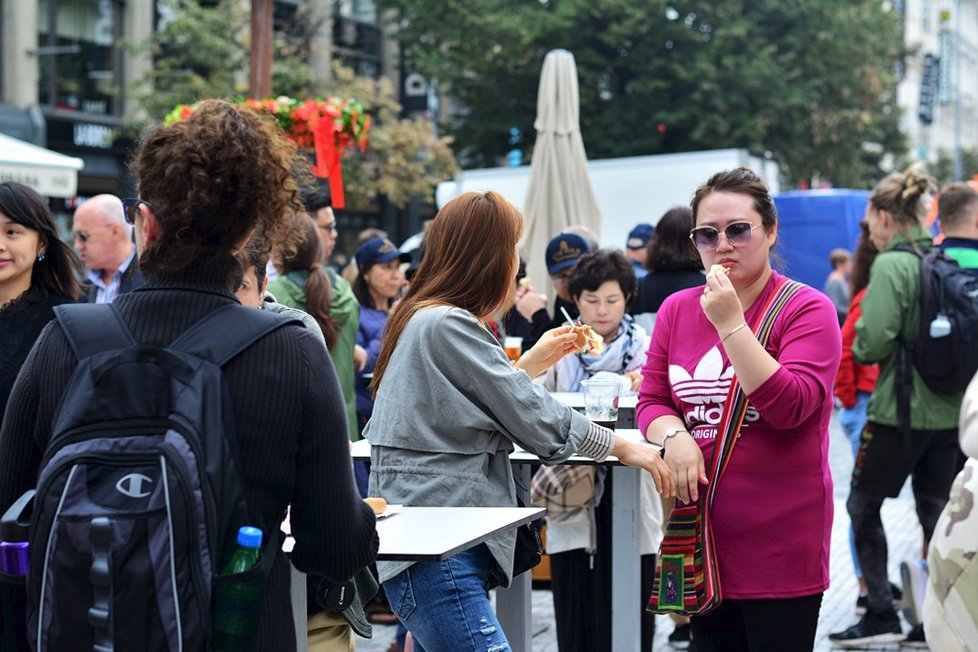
(303, 283)
(449, 409)
(671, 259)
(37, 272)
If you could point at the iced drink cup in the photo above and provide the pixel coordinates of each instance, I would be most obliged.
(601, 401)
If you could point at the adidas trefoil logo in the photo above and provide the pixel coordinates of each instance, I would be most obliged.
(706, 390)
(708, 384)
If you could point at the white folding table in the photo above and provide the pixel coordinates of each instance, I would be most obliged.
(513, 604)
(419, 534)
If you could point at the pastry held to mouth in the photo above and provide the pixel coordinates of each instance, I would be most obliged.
(588, 341)
(719, 269)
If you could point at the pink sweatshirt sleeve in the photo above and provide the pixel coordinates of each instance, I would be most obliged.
(654, 394)
(808, 346)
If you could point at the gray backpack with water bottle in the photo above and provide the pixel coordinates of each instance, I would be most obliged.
(138, 498)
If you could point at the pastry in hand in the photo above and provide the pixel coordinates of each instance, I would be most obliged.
(587, 340)
(719, 269)
(379, 505)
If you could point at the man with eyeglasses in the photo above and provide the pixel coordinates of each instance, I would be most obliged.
(103, 240)
(345, 309)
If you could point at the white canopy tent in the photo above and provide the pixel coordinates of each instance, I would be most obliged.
(49, 173)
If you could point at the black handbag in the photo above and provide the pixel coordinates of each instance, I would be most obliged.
(526, 556)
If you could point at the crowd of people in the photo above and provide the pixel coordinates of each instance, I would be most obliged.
(366, 353)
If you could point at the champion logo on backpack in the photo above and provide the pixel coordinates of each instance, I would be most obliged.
(138, 500)
(131, 485)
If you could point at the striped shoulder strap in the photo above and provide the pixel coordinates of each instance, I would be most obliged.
(735, 406)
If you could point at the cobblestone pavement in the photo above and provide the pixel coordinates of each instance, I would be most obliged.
(903, 535)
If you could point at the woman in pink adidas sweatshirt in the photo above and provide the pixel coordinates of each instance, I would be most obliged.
(772, 515)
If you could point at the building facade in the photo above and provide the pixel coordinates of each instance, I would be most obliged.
(938, 92)
(65, 80)
(63, 77)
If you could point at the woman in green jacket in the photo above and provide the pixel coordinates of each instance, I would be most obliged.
(888, 453)
(304, 283)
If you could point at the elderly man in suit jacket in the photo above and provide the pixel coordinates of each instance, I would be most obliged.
(103, 240)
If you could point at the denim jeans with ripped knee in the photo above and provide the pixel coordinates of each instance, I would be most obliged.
(445, 606)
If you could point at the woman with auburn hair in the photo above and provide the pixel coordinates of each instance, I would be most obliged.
(304, 284)
(206, 185)
(436, 352)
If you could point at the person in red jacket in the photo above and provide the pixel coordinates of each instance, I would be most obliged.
(854, 382)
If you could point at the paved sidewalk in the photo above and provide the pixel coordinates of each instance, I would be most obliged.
(903, 535)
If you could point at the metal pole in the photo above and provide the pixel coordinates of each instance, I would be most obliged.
(957, 49)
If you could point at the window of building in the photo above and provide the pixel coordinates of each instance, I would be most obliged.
(78, 57)
(357, 36)
(362, 10)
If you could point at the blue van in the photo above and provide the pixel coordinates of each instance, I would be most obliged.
(811, 223)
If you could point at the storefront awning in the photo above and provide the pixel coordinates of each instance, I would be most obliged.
(49, 173)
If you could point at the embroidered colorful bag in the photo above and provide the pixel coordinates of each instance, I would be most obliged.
(687, 576)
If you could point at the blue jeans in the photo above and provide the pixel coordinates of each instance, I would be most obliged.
(853, 421)
(445, 606)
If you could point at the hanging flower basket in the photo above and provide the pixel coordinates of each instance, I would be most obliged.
(324, 127)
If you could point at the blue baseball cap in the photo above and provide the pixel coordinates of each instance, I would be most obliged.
(563, 252)
(639, 237)
(379, 250)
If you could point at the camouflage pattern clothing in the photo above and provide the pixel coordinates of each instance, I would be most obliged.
(951, 605)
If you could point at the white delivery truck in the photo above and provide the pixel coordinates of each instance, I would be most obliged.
(628, 190)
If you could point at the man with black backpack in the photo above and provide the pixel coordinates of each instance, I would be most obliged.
(912, 426)
(154, 427)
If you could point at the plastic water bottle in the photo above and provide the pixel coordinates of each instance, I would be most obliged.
(238, 605)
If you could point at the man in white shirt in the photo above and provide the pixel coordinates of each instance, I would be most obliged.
(103, 240)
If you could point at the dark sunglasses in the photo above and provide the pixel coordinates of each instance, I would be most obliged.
(707, 238)
(131, 204)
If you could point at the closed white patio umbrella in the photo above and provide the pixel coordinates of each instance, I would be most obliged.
(559, 193)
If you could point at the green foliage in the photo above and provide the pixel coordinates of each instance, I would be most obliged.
(405, 159)
(810, 80)
(199, 53)
(202, 53)
(943, 169)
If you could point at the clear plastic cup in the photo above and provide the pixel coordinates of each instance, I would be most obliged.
(601, 401)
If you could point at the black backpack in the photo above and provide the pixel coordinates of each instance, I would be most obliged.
(138, 498)
(945, 352)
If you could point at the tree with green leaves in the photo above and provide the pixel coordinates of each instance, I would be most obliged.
(943, 168)
(201, 52)
(810, 80)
